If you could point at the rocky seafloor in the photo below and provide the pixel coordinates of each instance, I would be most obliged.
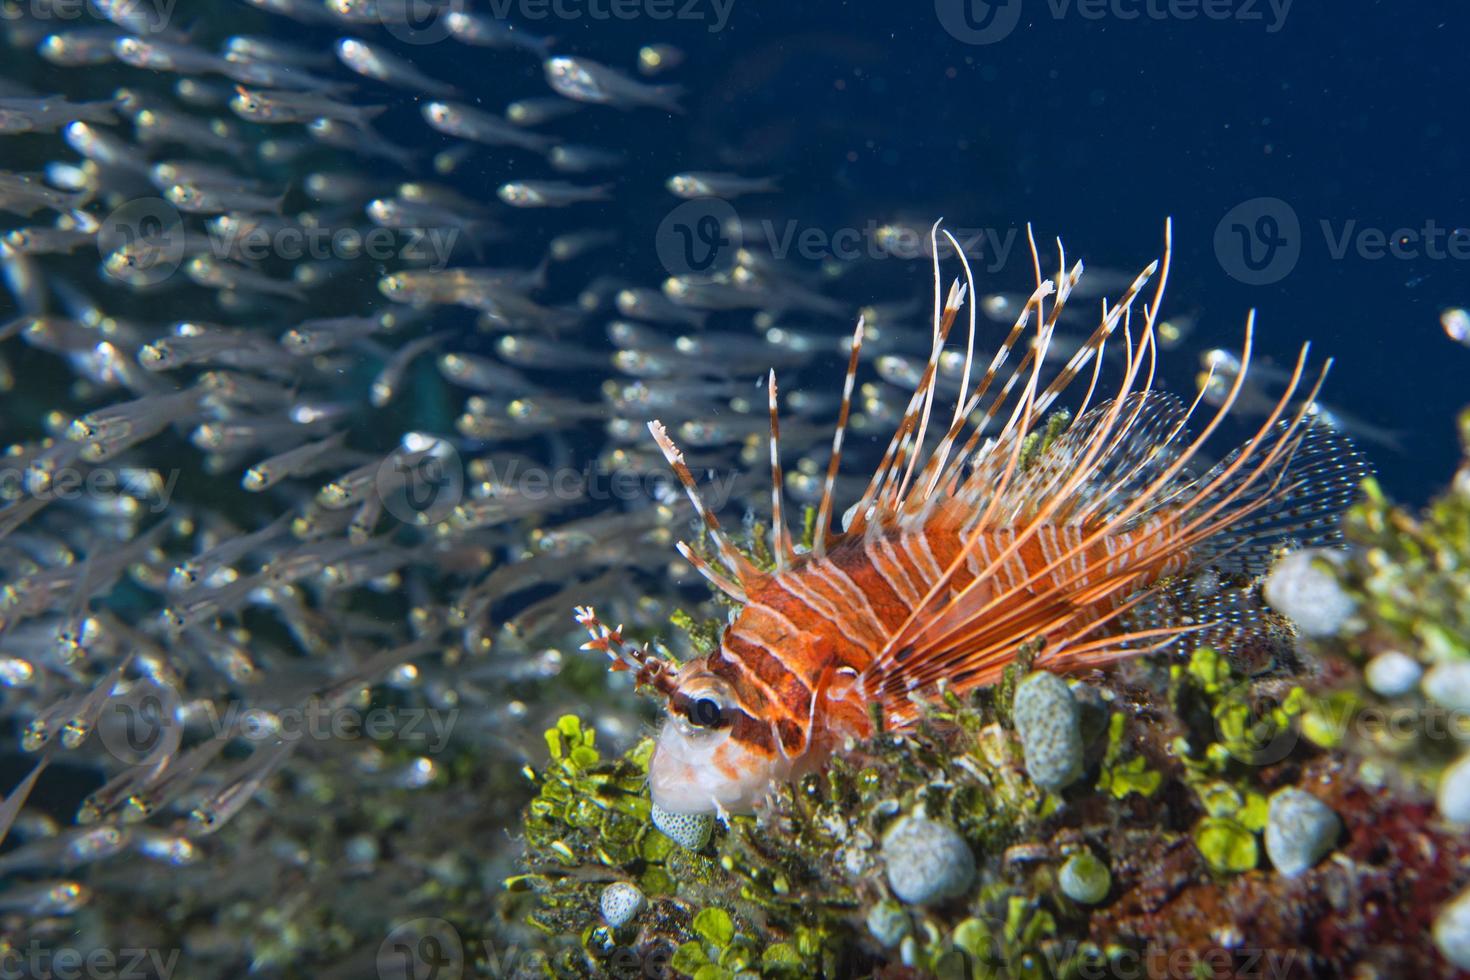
(1205, 815)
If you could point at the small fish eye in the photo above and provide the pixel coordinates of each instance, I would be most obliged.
(705, 713)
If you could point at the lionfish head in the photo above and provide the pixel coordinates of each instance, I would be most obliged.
(712, 755)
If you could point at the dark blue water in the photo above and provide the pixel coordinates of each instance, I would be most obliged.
(1091, 123)
(1322, 132)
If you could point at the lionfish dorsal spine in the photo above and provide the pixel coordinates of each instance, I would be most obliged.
(780, 536)
(743, 572)
(1069, 547)
(961, 400)
(1011, 437)
(829, 484)
(916, 416)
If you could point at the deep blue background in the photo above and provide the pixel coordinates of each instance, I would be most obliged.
(1092, 129)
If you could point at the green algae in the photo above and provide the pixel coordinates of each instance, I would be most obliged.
(790, 892)
(1412, 575)
(778, 895)
(1222, 771)
(1409, 574)
(1121, 776)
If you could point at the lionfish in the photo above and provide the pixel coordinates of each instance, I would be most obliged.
(1093, 548)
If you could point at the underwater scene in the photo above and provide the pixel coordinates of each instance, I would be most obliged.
(724, 489)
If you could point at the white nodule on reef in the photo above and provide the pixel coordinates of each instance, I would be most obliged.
(621, 902)
(1308, 594)
(1447, 684)
(1453, 797)
(1392, 673)
(1452, 931)
(927, 861)
(1300, 829)
(1049, 723)
(1085, 879)
(690, 831)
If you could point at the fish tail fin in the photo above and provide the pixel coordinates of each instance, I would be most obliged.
(668, 96)
(1302, 493)
(364, 114)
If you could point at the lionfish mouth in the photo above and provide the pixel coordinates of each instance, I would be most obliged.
(687, 776)
(994, 528)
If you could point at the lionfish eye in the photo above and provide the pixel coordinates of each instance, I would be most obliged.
(705, 713)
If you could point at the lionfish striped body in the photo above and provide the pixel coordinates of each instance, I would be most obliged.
(961, 552)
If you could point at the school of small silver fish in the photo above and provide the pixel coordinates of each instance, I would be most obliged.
(306, 414)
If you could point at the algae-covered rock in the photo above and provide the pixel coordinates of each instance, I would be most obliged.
(1302, 588)
(1049, 723)
(1300, 829)
(946, 847)
(1084, 878)
(889, 923)
(926, 861)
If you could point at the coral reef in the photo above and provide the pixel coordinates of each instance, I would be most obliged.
(1221, 820)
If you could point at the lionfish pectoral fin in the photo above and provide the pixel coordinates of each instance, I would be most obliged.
(1302, 495)
(1296, 501)
(969, 642)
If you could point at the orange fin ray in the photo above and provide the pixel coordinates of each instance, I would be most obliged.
(744, 571)
(780, 537)
(823, 535)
